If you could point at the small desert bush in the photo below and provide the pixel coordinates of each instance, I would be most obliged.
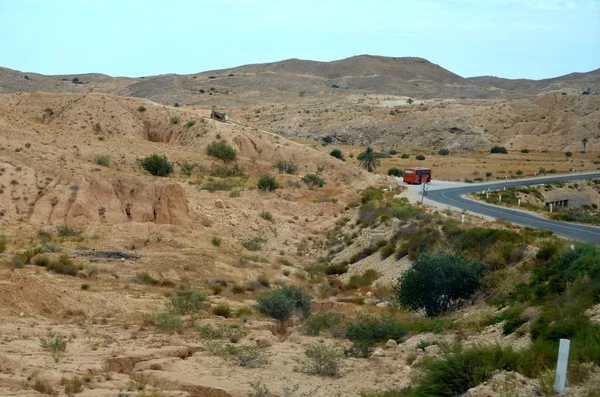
(268, 183)
(337, 153)
(405, 156)
(285, 166)
(221, 150)
(568, 154)
(167, 322)
(43, 386)
(395, 172)
(187, 168)
(73, 386)
(186, 302)
(66, 231)
(243, 355)
(322, 360)
(157, 165)
(190, 123)
(367, 330)
(55, 343)
(313, 180)
(174, 120)
(267, 216)
(253, 243)
(141, 109)
(444, 152)
(233, 333)
(63, 265)
(2, 244)
(419, 157)
(146, 278)
(216, 241)
(363, 280)
(222, 310)
(333, 322)
(102, 159)
(238, 289)
(280, 304)
(499, 149)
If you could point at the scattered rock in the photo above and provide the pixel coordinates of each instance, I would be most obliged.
(433, 350)
(369, 294)
(391, 344)
(219, 203)
(263, 343)
(378, 353)
(384, 304)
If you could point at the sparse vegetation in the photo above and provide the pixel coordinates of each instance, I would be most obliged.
(216, 241)
(267, 216)
(568, 154)
(253, 243)
(368, 330)
(444, 152)
(284, 166)
(141, 109)
(186, 302)
(313, 180)
(168, 322)
(222, 150)
(187, 168)
(55, 343)
(280, 304)
(102, 159)
(222, 310)
(157, 165)
(337, 153)
(322, 360)
(268, 183)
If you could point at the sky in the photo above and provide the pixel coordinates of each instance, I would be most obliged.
(505, 38)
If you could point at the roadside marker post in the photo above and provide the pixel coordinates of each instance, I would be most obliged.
(561, 365)
(462, 219)
(550, 207)
(499, 198)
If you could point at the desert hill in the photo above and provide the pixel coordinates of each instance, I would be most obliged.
(293, 78)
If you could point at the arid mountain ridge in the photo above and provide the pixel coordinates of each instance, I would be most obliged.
(293, 78)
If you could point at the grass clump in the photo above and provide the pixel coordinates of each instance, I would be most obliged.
(322, 360)
(63, 265)
(186, 302)
(367, 330)
(66, 231)
(284, 166)
(190, 123)
(102, 159)
(222, 310)
(168, 322)
(254, 243)
(216, 241)
(73, 386)
(267, 216)
(243, 355)
(313, 180)
(141, 109)
(222, 150)
(187, 168)
(363, 280)
(174, 120)
(157, 165)
(333, 322)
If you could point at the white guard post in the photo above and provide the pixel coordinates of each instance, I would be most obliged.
(561, 365)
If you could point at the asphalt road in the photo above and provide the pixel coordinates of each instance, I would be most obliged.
(454, 197)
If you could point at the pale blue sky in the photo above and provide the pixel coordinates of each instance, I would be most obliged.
(506, 38)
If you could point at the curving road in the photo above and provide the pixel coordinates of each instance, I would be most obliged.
(454, 197)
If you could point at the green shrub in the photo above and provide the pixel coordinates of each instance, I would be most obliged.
(363, 280)
(419, 157)
(512, 317)
(221, 150)
(393, 152)
(102, 159)
(436, 283)
(214, 186)
(267, 216)
(73, 386)
(244, 356)
(371, 194)
(224, 172)
(253, 243)
(568, 154)
(337, 153)
(186, 302)
(66, 231)
(190, 123)
(336, 269)
(63, 265)
(444, 152)
(187, 168)
(174, 120)
(499, 149)
(405, 156)
(157, 165)
(216, 241)
(285, 166)
(280, 304)
(322, 360)
(462, 370)
(222, 310)
(395, 172)
(524, 150)
(55, 343)
(333, 322)
(2, 244)
(268, 183)
(368, 330)
(312, 180)
(168, 322)
(141, 109)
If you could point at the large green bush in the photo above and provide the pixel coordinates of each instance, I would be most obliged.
(222, 150)
(395, 172)
(436, 283)
(187, 302)
(499, 149)
(280, 304)
(157, 165)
